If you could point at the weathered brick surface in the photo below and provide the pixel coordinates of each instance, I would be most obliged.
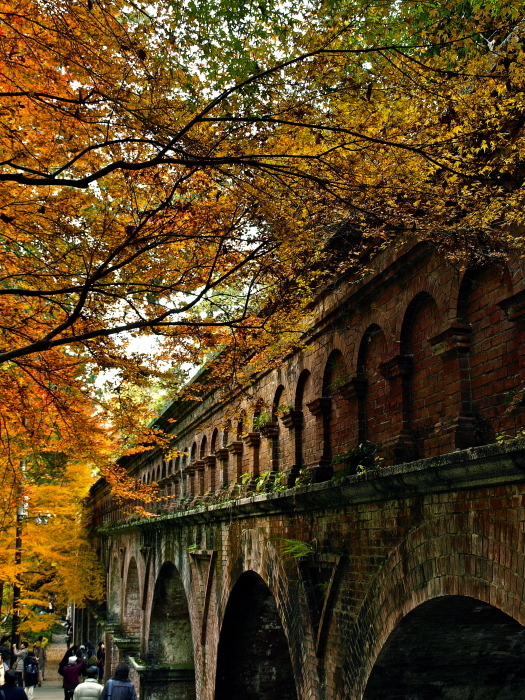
(418, 357)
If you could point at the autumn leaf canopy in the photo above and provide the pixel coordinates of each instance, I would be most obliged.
(181, 178)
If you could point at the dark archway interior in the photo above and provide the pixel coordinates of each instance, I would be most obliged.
(170, 640)
(452, 647)
(253, 658)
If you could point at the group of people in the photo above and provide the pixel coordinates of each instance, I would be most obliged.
(28, 670)
(117, 688)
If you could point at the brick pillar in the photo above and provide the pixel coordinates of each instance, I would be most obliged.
(355, 392)
(190, 482)
(458, 429)
(293, 420)
(514, 309)
(210, 482)
(222, 479)
(236, 449)
(112, 652)
(401, 447)
(253, 440)
(199, 478)
(321, 408)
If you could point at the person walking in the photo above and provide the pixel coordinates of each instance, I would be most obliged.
(10, 689)
(31, 674)
(71, 673)
(5, 651)
(18, 666)
(41, 655)
(101, 656)
(119, 687)
(90, 689)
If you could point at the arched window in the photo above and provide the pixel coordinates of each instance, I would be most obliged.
(423, 382)
(214, 438)
(202, 452)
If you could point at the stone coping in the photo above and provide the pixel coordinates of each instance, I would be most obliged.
(489, 465)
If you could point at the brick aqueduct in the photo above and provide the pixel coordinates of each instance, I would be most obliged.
(404, 579)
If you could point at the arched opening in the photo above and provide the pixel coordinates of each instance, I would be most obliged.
(253, 658)
(214, 439)
(451, 647)
(299, 419)
(202, 452)
(226, 434)
(277, 447)
(170, 645)
(422, 377)
(132, 607)
(335, 414)
(372, 388)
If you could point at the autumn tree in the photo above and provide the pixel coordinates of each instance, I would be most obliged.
(184, 165)
(179, 178)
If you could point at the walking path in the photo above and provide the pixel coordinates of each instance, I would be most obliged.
(52, 687)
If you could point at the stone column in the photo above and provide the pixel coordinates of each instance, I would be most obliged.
(210, 485)
(355, 392)
(222, 455)
(321, 408)
(514, 309)
(401, 447)
(236, 448)
(253, 440)
(199, 478)
(293, 420)
(458, 429)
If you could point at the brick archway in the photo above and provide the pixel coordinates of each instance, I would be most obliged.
(131, 605)
(450, 647)
(251, 551)
(466, 555)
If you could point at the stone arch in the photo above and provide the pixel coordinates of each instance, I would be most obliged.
(253, 659)
(193, 454)
(250, 550)
(377, 317)
(451, 646)
(458, 554)
(425, 285)
(131, 617)
(170, 641)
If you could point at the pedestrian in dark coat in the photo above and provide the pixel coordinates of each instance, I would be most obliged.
(11, 690)
(31, 673)
(120, 687)
(71, 674)
(101, 656)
